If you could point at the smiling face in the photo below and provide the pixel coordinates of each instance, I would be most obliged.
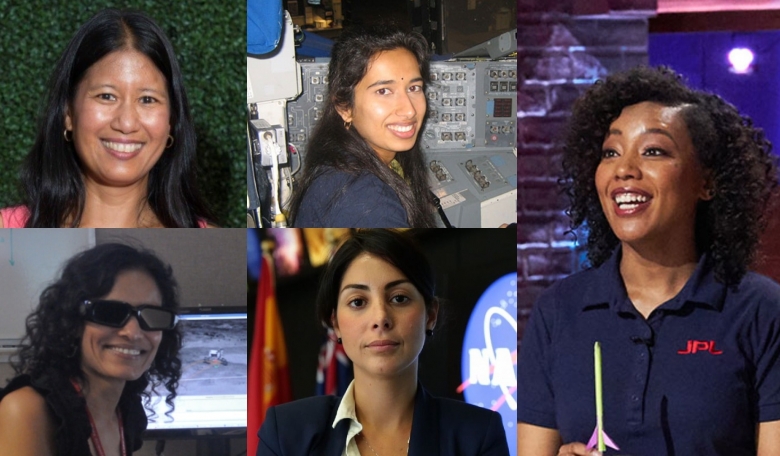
(649, 180)
(381, 318)
(120, 118)
(389, 103)
(122, 353)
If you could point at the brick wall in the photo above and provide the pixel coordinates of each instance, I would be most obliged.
(563, 47)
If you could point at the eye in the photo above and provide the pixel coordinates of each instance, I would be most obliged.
(357, 303)
(383, 91)
(654, 152)
(399, 299)
(608, 153)
(106, 97)
(148, 100)
(416, 88)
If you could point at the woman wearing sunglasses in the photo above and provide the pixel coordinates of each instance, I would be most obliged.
(102, 333)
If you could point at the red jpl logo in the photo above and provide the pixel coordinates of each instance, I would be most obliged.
(700, 346)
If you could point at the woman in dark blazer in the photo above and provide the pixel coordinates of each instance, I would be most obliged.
(378, 295)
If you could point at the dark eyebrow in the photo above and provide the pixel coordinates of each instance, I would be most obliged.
(392, 81)
(365, 287)
(657, 131)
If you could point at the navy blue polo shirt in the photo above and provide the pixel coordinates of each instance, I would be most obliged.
(694, 378)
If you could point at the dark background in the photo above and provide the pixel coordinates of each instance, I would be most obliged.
(209, 39)
(466, 262)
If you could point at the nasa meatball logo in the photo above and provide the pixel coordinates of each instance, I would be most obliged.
(489, 357)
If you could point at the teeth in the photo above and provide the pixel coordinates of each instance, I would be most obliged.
(630, 199)
(400, 129)
(126, 351)
(121, 147)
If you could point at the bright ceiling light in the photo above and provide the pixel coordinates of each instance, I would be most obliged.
(741, 60)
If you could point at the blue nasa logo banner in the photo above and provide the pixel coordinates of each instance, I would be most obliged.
(489, 357)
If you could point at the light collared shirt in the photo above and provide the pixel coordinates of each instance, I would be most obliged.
(346, 411)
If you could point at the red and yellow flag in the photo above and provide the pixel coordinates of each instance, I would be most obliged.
(269, 377)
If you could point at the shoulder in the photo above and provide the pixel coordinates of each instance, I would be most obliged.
(14, 217)
(310, 418)
(25, 421)
(572, 290)
(759, 286)
(312, 410)
(757, 294)
(474, 427)
(464, 414)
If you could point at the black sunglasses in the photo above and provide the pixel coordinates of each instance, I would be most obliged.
(116, 314)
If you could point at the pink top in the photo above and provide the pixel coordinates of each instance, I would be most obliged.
(16, 217)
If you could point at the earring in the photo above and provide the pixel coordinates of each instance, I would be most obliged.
(347, 124)
(169, 143)
(429, 332)
(338, 341)
(65, 135)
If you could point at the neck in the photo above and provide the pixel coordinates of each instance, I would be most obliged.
(102, 397)
(117, 207)
(386, 157)
(653, 276)
(386, 403)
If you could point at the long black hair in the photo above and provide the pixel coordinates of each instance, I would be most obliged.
(333, 146)
(734, 152)
(54, 329)
(51, 174)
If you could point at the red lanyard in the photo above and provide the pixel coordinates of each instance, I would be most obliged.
(95, 437)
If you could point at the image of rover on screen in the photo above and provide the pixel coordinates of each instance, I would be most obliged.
(212, 391)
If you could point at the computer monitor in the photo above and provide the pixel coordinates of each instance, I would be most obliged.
(212, 391)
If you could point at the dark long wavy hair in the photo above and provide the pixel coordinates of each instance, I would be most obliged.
(333, 146)
(733, 152)
(395, 247)
(55, 328)
(51, 174)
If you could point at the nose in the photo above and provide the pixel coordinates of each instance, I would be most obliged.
(381, 317)
(627, 167)
(405, 107)
(131, 329)
(126, 117)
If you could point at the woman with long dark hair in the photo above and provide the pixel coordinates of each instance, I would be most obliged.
(378, 294)
(102, 333)
(363, 166)
(673, 186)
(116, 144)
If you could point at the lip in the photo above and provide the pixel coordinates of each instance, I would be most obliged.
(107, 144)
(412, 133)
(637, 208)
(115, 352)
(383, 345)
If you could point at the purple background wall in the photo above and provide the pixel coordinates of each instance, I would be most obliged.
(702, 58)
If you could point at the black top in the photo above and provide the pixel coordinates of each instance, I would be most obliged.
(439, 427)
(69, 410)
(337, 199)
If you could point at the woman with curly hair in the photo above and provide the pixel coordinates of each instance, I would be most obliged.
(101, 334)
(672, 186)
(364, 167)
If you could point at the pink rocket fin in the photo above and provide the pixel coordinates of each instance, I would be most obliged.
(594, 440)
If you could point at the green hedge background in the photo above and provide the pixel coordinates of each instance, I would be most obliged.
(209, 38)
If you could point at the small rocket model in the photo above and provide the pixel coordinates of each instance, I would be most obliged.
(599, 440)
